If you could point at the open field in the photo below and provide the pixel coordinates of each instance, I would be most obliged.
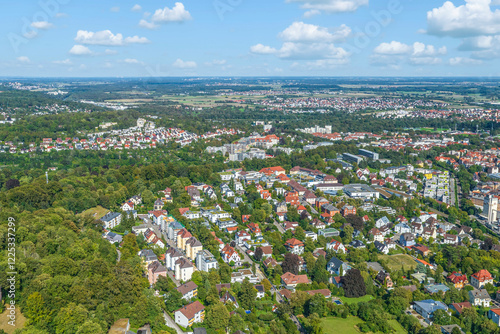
(348, 326)
(96, 212)
(130, 101)
(346, 300)
(339, 325)
(20, 321)
(395, 262)
(432, 129)
(209, 101)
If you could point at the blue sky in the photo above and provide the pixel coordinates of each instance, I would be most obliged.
(142, 38)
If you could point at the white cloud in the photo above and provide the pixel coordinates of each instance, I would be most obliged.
(62, 62)
(262, 49)
(395, 52)
(24, 60)
(80, 50)
(483, 47)
(479, 43)
(311, 13)
(148, 25)
(179, 63)
(136, 8)
(331, 6)
(422, 50)
(392, 48)
(417, 49)
(42, 25)
(132, 61)
(106, 37)
(110, 52)
(303, 32)
(458, 61)
(327, 63)
(218, 62)
(291, 50)
(60, 15)
(30, 34)
(136, 40)
(178, 13)
(115, 9)
(474, 18)
(425, 60)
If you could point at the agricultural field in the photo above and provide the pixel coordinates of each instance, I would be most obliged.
(396, 262)
(209, 101)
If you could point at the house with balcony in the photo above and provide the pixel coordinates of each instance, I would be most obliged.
(190, 314)
(294, 246)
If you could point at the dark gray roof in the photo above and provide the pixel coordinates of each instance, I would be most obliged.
(109, 216)
(200, 330)
(335, 262)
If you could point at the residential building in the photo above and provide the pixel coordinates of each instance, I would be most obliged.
(481, 278)
(458, 279)
(337, 267)
(336, 246)
(291, 281)
(230, 255)
(155, 270)
(426, 308)
(436, 288)
(243, 274)
(171, 256)
(183, 269)
(295, 246)
(241, 236)
(147, 256)
(329, 232)
(206, 261)
(459, 307)
(188, 290)
(384, 278)
(407, 239)
(479, 297)
(494, 315)
(193, 247)
(190, 314)
(111, 220)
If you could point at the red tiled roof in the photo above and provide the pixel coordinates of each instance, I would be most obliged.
(189, 311)
(482, 275)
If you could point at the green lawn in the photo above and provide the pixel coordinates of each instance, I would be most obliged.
(348, 326)
(346, 300)
(397, 327)
(339, 325)
(395, 262)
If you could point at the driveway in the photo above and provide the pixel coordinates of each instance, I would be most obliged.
(246, 258)
(170, 323)
(280, 228)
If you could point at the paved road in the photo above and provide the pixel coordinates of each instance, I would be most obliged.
(171, 275)
(170, 323)
(280, 299)
(119, 255)
(280, 228)
(306, 204)
(246, 258)
(452, 191)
